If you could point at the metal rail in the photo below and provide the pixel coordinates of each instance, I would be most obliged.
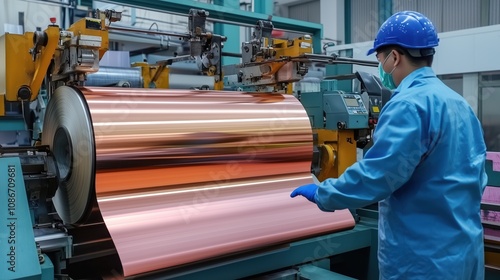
(148, 31)
(229, 15)
(339, 60)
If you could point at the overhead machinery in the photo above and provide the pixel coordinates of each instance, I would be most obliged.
(138, 180)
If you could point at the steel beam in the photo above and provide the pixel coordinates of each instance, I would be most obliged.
(230, 31)
(263, 6)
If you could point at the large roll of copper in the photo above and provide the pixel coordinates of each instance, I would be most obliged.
(184, 176)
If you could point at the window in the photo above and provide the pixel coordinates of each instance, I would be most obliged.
(309, 11)
(489, 100)
(455, 82)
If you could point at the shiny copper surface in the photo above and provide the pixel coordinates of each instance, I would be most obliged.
(150, 139)
(154, 230)
(182, 176)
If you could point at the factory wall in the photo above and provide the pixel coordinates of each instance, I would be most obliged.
(19, 16)
(466, 60)
(447, 15)
(462, 51)
(15, 15)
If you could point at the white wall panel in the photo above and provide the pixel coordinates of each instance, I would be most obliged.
(470, 50)
(333, 17)
(35, 14)
(463, 51)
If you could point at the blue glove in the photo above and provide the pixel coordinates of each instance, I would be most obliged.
(307, 191)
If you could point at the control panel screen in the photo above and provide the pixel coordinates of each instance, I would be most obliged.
(351, 102)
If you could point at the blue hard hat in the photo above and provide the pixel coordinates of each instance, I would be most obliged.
(407, 29)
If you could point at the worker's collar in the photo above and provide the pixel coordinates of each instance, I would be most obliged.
(424, 72)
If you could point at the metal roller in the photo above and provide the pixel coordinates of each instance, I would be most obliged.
(115, 76)
(131, 77)
(69, 132)
(183, 176)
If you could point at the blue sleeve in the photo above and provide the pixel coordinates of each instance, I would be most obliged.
(397, 149)
(484, 177)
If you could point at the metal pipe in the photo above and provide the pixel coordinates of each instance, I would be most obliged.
(115, 76)
(149, 31)
(50, 3)
(342, 62)
(214, 20)
(230, 54)
(252, 25)
(337, 59)
(142, 8)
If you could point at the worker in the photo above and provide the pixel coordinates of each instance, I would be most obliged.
(426, 165)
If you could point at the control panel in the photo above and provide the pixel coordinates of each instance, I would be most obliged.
(344, 111)
(354, 104)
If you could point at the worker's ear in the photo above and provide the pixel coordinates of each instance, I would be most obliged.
(396, 58)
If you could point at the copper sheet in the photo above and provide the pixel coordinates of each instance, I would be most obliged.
(182, 176)
(169, 228)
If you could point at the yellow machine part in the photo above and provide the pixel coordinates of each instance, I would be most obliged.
(289, 48)
(338, 152)
(219, 85)
(148, 72)
(43, 61)
(80, 27)
(294, 47)
(17, 67)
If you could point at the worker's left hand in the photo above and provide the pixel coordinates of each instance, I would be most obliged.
(307, 191)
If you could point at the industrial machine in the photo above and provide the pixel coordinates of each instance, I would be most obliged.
(489, 210)
(134, 180)
(33, 66)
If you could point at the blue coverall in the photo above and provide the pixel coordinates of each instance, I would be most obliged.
(426, 167)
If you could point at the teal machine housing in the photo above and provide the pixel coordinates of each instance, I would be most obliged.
(344, 111)
(332, 108)
(43, 253)
(20, 257)
(32, 244)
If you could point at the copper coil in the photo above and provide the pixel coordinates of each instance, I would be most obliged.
(183, 176)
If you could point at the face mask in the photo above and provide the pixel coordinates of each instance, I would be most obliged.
(386, 78)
